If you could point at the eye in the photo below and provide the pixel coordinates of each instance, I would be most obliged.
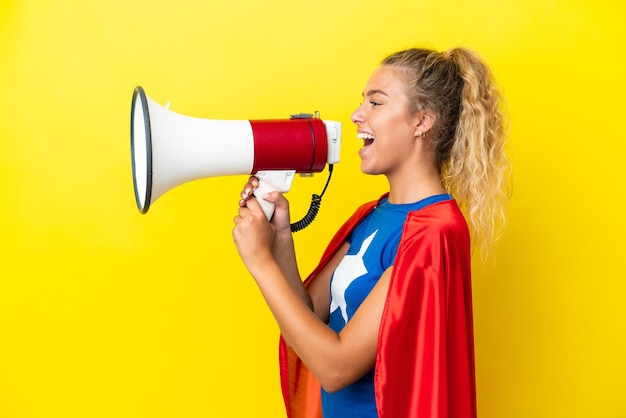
(374, 104)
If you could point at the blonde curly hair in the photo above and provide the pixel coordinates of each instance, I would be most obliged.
(468, 138)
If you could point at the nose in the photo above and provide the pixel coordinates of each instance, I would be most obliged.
(357, 115)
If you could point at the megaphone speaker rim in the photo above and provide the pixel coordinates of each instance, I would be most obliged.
(140, 99)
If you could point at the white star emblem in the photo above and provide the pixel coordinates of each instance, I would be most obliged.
(350, 269)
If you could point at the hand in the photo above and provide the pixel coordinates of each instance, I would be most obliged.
(254, 236)
(281, 218)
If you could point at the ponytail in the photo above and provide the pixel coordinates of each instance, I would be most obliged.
(478, 170)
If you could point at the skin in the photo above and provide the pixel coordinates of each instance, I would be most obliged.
(267, 249)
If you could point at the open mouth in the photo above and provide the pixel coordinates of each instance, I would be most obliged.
(366, 137)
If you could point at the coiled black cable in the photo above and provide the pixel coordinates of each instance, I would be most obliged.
(316, 202)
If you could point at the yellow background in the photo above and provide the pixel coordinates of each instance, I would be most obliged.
(108, 313)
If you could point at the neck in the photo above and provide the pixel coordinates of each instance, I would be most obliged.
(414, 187)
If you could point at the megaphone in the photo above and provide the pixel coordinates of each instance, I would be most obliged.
(169, 149)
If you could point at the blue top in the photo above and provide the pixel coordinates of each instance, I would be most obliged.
(373, 247)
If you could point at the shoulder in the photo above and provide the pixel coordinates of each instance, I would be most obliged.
(437, 223)
(444, 215)
(435, 244)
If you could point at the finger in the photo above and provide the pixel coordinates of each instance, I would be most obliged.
(239, 218)
(246, 193)
(244, 199)
(270, 197)
(243, 211)
(253, 181)
(248, 189)
(252, 205)
(278, 199)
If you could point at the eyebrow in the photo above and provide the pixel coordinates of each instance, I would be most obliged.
(372, 92)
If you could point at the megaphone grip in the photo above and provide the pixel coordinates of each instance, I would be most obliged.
(272, 181)
(263, 189)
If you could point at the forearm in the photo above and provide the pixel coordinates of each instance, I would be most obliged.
(316, 344)
(285, 256)
(267, 249)
(335, 359)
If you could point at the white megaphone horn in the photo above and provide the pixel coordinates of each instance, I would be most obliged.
(169, 149)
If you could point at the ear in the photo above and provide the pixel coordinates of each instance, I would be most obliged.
(424, 122)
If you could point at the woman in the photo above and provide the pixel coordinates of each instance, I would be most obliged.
(384, 324)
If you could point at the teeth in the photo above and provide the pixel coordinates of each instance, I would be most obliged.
(365, 135)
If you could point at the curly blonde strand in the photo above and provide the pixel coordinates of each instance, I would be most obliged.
(477, 173)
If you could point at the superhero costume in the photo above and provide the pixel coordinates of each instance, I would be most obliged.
(425, 355)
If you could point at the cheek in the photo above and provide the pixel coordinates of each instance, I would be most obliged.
(402, 133)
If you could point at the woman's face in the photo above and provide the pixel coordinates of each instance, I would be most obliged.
(385, 124)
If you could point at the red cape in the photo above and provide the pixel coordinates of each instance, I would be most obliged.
(425, 357)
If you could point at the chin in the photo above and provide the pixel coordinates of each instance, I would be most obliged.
(369, 171)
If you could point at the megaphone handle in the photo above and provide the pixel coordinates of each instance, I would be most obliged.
(272, 181)
(263, 189)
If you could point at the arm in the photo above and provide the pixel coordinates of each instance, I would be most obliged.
(317, 295)
(282, 246)
(335, 359)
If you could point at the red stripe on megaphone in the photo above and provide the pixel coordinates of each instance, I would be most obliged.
(290, 144)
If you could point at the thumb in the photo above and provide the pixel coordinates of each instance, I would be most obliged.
(281, 209)
(278, 199)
